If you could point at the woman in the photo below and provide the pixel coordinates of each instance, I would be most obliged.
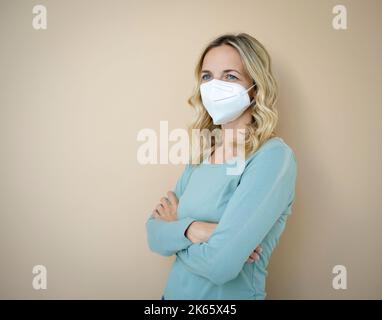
(215, 223)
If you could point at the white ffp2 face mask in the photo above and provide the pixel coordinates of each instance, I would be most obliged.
(224, 101)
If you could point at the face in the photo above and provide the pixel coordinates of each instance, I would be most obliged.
(224, 63)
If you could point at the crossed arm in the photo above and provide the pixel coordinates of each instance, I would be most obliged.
(167, 234)
(180, 234)
(266, 189)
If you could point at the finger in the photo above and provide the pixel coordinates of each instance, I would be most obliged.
(160, 209)
(165, 203)
(259, 249)
(254, 256)
(249, 260)
(155, 214)
(172, 197)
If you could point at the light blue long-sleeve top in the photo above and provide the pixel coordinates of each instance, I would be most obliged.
(250, 208)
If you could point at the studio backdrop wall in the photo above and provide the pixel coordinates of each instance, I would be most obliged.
(75, 95)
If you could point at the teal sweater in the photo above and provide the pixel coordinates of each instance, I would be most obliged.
(250, 208)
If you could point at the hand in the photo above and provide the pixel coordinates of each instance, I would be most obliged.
(200, 231)
(167, 208)
(255, 255)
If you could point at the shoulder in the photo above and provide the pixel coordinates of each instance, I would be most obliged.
(274, 152)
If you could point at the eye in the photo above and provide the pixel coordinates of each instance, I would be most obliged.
(205, 77)
(231, 77)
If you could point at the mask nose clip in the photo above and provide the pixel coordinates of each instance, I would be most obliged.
(227, 88)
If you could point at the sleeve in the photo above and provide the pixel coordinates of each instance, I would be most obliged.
(265, 191)
(166, 238)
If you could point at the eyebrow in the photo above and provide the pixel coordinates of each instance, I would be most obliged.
(224, 71)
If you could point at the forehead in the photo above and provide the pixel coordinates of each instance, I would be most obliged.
(222, 57)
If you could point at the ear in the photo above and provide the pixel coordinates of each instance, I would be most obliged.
(254, 89)
(253, 95)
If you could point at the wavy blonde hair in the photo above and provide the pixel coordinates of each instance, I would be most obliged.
(257, 63)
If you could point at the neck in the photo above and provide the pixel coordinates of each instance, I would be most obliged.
(235, 129)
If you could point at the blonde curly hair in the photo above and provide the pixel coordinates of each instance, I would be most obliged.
(257, 63)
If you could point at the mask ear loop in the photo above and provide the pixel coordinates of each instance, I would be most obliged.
(253, 99)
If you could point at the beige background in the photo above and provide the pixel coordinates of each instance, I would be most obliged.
(73, 98)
